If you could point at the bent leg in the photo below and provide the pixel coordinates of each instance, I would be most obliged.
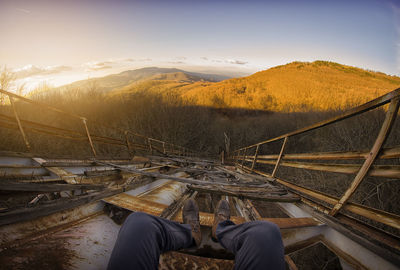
(143, 237)
(256, 244)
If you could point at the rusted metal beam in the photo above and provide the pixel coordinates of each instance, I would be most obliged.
(371, 213)
(279, 157)
(302, 244)
(368, 212)
(128, 143)
(380, 140)
(244, 156)
(47, 209)
(366, 232)
(385, 153)
(13, 186)
(88, 136)
(389, 171)
(290, 263)
(255, 157)
(93, 138)
(28, 146)
(352, 112)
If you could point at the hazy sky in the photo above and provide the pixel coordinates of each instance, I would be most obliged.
(61, 41)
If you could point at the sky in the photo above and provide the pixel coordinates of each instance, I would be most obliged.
(61, 41)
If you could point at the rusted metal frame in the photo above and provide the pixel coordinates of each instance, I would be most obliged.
(367, 212)
(290, 263)
(37, 103)
(338, 237)
(280, 157)
(150, 146)
(380, 140)
(128, 144)
(31, 213)
(388, 171)
(100, 139)
(352, 112)
(28, 146)
(342, 254)
(15, 127)
(108, 140)
(302, 244)
(237, 158)
(244, 157)
(88, 135)
(386, 153)
(30, 123)
(380, 216)
(255, 157)
(56, 133)
(17, 186)
(43, 105)
(383, 237)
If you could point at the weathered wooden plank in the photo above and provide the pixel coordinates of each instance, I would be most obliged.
(138, 204)
(173, 208)
(261, 194)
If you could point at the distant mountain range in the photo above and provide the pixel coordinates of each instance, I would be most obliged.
(128, 77)
(294, 87)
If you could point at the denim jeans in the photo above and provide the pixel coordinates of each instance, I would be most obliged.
(143, 237)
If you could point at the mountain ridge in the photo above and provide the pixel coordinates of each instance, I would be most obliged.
(110, 82)
(294, 87)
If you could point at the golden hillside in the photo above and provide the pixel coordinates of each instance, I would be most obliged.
(298, 86)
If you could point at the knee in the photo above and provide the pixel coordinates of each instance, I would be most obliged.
(139, 221)
(264, 231)
(138, 217)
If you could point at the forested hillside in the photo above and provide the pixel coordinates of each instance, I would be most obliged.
(295, 87)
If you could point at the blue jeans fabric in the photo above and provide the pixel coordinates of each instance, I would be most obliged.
(142, 238)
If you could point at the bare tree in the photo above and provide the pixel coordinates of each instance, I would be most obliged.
(6, 78)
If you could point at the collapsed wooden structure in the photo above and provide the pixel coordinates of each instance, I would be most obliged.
(65, 213)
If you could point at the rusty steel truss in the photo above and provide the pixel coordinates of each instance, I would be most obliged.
(66, 213)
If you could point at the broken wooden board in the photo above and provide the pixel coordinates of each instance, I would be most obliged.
(137, 204)
(261, 193)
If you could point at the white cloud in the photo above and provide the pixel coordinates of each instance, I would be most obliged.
(23, 10)
(111, 63)
(236, 62)
(32, 70)
(94, 66)
(226, 61)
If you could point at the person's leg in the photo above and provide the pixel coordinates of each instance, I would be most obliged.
(142, 239)
(256, 244)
